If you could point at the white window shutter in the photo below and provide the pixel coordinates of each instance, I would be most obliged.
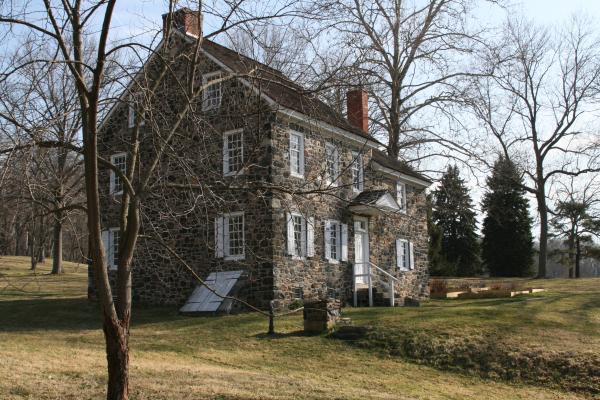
(219, 237)
(302, 155)
(310, 237)
(290, 233)
(344, 235)
(400, 253)
(131, 116)
(112, 182)
(336, 155)
(107, 247)
(412, 256)
(327, 239)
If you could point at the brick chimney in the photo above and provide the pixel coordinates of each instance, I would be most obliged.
(185, 21)
(357, 103)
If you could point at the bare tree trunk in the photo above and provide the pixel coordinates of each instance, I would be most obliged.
(543, 211)
(577, 258)
(57, 267)
(117, 355)
(32, 253)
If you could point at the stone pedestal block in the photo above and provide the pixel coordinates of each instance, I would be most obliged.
(321, 315)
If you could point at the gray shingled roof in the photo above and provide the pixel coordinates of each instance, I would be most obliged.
(389, 162)
(279, 88)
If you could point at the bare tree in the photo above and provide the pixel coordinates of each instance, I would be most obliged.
(544, 86)
(411, 56)
(575, 218)
(67, 27)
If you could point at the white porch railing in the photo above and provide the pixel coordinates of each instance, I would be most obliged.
(369, 275)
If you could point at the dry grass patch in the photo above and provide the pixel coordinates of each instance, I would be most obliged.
(52, 348)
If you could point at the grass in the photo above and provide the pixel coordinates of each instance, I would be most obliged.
(51, 346)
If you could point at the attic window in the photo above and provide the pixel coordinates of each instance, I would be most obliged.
(212, 91)
(401, 195)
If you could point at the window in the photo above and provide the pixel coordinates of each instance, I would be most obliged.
(401, 195)
(300, 235)
(297, 154)
(298, 293)
(120, 161)
(110, 239)
(405, 259)
(229, 236)
(357, 172)
(131, 113)
(336, 241)
(332, 167)
(233, 152)
(212, 92)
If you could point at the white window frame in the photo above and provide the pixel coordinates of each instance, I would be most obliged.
(401, 195)
(300, 172)
(108, 241)
(405, 257)
(334, 228)
(223, 240)
(207, 103)
(358, 172)
(307, 236)
(332, 149)
(226, 158)
(113, 176)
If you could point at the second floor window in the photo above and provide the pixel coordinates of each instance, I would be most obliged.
(212, 92)
(297, 154)
(233, 152)
(357, 172)
(332, 165)
(120, 161)
(401, 195)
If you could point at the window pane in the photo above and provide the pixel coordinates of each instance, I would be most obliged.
(331, 163)
(295, 149)
(299, 242)
(120, 162)
(334, 240)
(115, 246)
(212, 93)
(234, 152)
(236, 235)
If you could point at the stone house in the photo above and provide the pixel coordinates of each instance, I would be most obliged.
(263, 178)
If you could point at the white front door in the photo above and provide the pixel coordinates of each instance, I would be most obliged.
(361, 249)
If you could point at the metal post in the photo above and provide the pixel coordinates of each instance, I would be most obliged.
(354, 285)
(392, 298)
(271, 317)
(370, 287)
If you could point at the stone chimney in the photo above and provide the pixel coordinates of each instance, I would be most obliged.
(357, 103)
(185, 21)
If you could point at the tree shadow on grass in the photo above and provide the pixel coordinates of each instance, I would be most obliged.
(69, 314)
(275, 336)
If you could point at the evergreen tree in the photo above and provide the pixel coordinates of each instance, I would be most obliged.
(453, 214)
(507, 247)
(437, 267)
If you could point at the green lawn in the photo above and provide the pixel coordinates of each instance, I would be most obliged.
(51, 346)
